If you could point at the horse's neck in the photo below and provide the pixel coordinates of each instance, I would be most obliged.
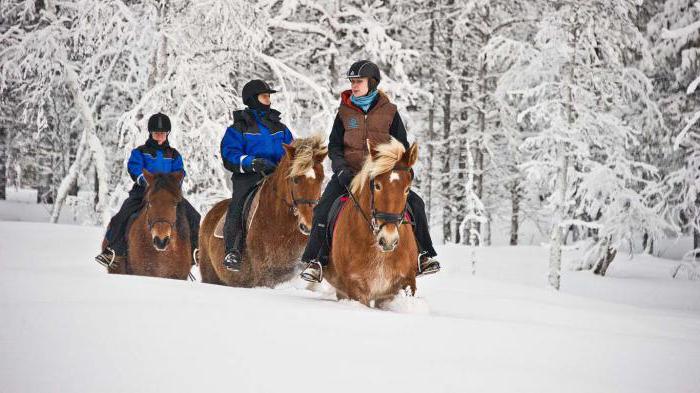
(358, 224)
(273, 194)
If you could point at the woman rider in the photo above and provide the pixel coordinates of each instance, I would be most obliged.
(347, 150)
(251, 149)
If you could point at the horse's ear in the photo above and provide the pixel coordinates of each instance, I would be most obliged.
(370, 149)
(148, 176)
(319, 157)
(412, 155)
(289, 149)
(178, 176)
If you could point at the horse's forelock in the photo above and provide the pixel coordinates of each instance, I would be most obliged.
(162, 181)
(386, 155)
(305, 151)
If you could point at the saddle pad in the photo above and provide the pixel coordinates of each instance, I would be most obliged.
(250, 205)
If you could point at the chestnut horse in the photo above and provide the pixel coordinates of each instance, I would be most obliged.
(374, 253)
(159, 237)
(278, 223)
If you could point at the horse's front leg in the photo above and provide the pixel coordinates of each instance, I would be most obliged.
(358, 290)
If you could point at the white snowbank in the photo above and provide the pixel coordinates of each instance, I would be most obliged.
(69, 327)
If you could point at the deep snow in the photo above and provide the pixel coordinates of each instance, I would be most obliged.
(69, 327)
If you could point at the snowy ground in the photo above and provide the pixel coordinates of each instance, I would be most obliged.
(69, 327)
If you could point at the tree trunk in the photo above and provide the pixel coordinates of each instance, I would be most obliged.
(447, 194)
(607, 256)
(556, 237)
(431, 123)
(515, 213)
(648, 244)
(90, 145)
(4, 147)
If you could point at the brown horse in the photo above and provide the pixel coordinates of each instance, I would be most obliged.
(278, 223)
(159, 237)
(373, 255)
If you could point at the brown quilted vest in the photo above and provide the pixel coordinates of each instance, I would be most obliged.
(360, 126)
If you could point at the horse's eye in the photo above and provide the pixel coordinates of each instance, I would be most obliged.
(296, 180)
(377, 186)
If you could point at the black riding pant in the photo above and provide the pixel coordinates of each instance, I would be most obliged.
(234, 228)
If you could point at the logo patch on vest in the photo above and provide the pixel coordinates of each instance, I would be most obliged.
(353, 123)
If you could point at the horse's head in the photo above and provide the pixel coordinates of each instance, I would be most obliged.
(386, 177)
(302, 171)
(163, 194)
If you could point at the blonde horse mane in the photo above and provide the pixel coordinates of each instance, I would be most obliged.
(385, 158)
(305, 149)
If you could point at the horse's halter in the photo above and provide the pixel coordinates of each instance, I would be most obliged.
(294, 206)
(375, 215)
(152, 223)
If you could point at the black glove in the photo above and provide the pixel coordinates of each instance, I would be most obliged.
(345, 177)
(141, 181)
(263, 166)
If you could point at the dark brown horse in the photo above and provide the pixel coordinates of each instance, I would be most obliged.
(159, 236)
(374, 253)
(278, 223)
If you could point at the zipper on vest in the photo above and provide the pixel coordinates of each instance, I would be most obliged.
(366, 134)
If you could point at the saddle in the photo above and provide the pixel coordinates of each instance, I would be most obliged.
(250, 204)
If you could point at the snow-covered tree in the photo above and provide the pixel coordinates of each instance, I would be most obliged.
(575, 81)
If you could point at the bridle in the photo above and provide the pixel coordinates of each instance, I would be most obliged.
(376, 215)
(152, 223)
(294, 205)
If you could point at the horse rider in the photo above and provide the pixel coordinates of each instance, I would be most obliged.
(379, 120)
(251, 149)
(155, 156)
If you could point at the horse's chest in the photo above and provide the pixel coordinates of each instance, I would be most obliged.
(381, 277)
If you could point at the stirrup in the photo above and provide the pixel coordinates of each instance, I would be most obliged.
(195, 257)
(105, 261)
(235, 265)
(432, 267)
(307, 276)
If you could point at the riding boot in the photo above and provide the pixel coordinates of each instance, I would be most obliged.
(234, 259)
(313, 272)
(106, 258)
(427, 265)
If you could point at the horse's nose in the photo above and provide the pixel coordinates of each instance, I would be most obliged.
(304, 229)
(161, 244)
(387, 246)
(387, 243)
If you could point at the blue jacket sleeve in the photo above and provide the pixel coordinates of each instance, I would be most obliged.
(178, 165)
(288, 138)
(233, 151)
(135, 165)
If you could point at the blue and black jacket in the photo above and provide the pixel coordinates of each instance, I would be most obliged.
(253, 134)
(155, 158)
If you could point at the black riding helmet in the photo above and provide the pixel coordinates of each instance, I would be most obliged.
(253, 88)
(365, 69)
(159, 122)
